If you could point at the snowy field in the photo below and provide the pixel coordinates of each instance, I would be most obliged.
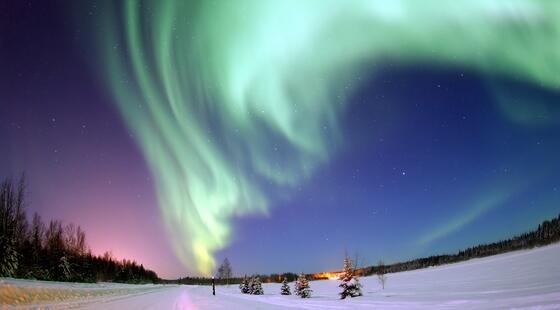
(519, 280)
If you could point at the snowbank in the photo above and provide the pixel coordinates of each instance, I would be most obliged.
(528, 279)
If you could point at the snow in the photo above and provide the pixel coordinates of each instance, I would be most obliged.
(528, 279)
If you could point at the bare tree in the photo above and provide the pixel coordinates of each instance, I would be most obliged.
(13, 226)
(69, 235)
(81, 245)
(224, 272)
(75, 239)
(356, 261)
(381, 273)
(37, 237)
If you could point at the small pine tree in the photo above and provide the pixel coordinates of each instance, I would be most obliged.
(302, 287)
(244, 286)
(350, 284)
(256, 286)
(250, 285)
(296, 287)
(285, 289)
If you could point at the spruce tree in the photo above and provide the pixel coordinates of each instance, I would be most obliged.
(350, 284)
(256, 286)
(244, 286)
(250, 285)
(285, 289)
(296, 287)
(302, 287)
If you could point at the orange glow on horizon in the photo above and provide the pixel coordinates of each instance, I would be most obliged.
(327, 275)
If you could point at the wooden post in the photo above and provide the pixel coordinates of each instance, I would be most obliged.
(213, 286)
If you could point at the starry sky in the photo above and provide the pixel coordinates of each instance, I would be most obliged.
(180, 133)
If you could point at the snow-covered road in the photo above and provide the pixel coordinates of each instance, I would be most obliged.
(527, 279)
(183, 297)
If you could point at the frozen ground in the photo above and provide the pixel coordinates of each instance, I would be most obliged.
(518, 280)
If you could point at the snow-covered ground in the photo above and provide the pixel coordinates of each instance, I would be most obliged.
(519, 280)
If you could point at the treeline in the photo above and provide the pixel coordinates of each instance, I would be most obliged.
(54, 251)
(271, 278)
(546, 233)
(224, 275)
(267, 278)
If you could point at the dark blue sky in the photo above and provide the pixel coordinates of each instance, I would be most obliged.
(423, 147)
(429, 161)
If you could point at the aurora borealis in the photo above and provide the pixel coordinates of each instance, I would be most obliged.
(252, 112)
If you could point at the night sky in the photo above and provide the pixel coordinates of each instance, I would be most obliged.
(180, 134)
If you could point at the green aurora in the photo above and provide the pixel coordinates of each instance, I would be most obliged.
(213, 90)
